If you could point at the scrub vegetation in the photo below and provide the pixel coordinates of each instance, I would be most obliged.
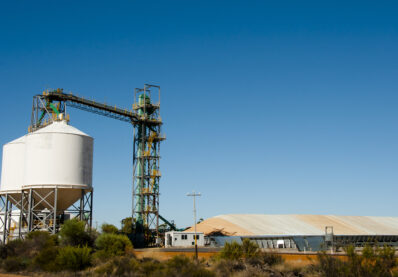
(78, 252)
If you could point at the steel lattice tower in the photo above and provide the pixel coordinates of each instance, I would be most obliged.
(146, 174)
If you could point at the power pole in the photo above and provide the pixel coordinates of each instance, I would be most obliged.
(194, 195)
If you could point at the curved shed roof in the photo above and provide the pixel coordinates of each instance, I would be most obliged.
(297, 225)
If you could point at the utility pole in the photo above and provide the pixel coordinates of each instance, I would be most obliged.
(194, 195)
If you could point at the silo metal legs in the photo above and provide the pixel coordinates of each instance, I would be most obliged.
(85, 209)
(40, 211)
(55, 211)
(33, 212)
(4, 217)
(8, 220)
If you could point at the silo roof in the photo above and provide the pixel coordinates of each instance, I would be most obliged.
(297, 225)
(18, 140)
(60, 127)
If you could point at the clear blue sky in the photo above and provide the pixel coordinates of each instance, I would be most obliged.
(274, 107)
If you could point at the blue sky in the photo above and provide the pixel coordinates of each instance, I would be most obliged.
(273, 107)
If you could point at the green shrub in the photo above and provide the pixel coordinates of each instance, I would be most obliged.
(236, 251)
(231, 251)
(73, 258)
(151, 267)
(265, 259)
(226, 268)
(41, 238)
(3, 251)
(118, 266)
(14, 264)
(20, 254)
(16, 248)
(46, 259)
(183, 266)
(127, 225)
(271, 258)
(330, 266)
(110, 245)
(374, 261)
(74, 233)
(249, 249)
(109, 229)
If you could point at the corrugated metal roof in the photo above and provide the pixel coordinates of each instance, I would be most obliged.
(300, 225)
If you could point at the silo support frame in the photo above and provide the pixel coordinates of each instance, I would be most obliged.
(6, 213)
(83, 209)
(37, 218)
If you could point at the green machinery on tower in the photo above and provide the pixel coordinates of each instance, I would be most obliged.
(146, 120)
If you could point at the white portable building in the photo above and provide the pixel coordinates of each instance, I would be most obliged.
(184, 239)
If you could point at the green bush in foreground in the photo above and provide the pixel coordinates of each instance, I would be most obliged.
(184, 266)
(178, 266)
(231, 251)
(73, 258)
(74, 233)
(45, 260)
(374, 262)
(118, 266)
(44, 250)
(110, 245)
(14, 264)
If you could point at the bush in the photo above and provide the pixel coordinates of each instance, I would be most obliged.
(374, 261)
(41, 239)
(46, 259)
(249, 249)
(231, 251)
(74, 258)
(109, 229)
(329, 266)
(265, 258)
(37, 251)
(127, 225)
(45, 250)
(110, 245)
(236, 251)
(15, 248)
(74, 233)
(226, 268)
(183, 266)
(118, 266)
(151, 267)
(14, 264)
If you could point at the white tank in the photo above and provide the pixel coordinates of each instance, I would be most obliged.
(12, 169)
(59, 156)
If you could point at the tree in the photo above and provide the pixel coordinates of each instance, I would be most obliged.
(110, 245)
(74, 258)
(236, 251)
(74, 233)
(109, 228)
(127, 225)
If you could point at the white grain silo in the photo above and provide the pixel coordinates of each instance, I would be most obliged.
(12, 175)
(58, 173)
